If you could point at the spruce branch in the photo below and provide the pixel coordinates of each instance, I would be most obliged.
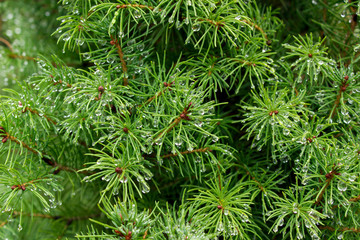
(121, 55)
(203, 150)
(183, 116)
(258, 28)
(167, 85)
(7, 43)
(354, 18)
(353, 24)
(255, 180)
(145, 234)
(342, 89)
(329, 176)
(343, 229)
(68, 85)
(35, 112)
(55, 217)
(13, 55)
(49, 161)
(3, 223)
(218, 24)
(122, 6)
(22, 186)
(355, 199)
(23, 144)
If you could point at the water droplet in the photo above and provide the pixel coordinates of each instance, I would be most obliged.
(352, 178)
(286, 132)
(102, 42)
(80, 42)
(145, 188)
(137, 14)
(342, 186)
(295, 208)
(98, 113)
(281, 222)
(196, 27)
(215, 139)
(87, 55)
(148, 175)
(131, 42)
(110, 60)
(141, 47)
(178, 141)
(123, 180)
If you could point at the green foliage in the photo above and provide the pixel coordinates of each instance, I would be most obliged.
(179, 119)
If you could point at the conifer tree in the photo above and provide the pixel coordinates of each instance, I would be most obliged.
(192, 119)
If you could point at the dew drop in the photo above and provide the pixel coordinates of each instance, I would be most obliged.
(342, 186)
(196, 27)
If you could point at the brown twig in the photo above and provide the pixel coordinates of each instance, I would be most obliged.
(353, 24)
(121, 55)
(323, 191)
(296, 91)
(15, 140)
(329, 176)
(167, 85)
(257, 27)
(35, 112)
(344, 229)
(172, 125)
(3, 223)
(135, 5)
(40, 215)
(219, 178)
(353, 18)
(355, 199)
(324, 18)
(253, 178)
(211, 69)
(217, 24)
(145, 234)
(221, 24)
(245, 62)
(13, 55)
(342, 89)
(336, 103)
(7, 43)
(183, 116)
(187, 152)
(6, 136)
